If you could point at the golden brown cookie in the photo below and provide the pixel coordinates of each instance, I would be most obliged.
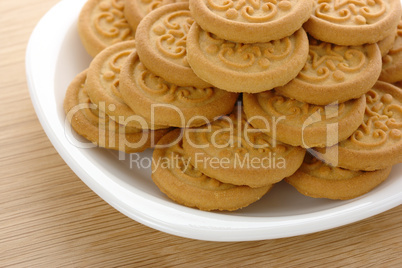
(239, 67)
(101, 23)
(353, 22)
(163, 103)
(302, 124)
(161, 44)
(319, 180)
(335, 73)
(97, 127)
(377, 143)
(251, 21)
(392, 62)
(232, 151)
(136, 10)
(173, 173)
(103, 85)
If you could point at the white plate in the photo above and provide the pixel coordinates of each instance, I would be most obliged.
(55, 55)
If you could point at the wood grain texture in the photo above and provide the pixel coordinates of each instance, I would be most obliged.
(50, 218)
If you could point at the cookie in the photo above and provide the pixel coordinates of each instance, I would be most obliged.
(392, 62)
(319, 180)
(377, 143)
(182, 182)
(232, 151)
(302, 124)
(101, 23)
(161, 44)
(239, 67)
(335, 73)
(164, 103)
(136, 10)
(97, 127)
(353, 22)
(103, 86)
(251, 21)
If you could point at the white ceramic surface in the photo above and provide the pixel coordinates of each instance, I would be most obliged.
(55, 55)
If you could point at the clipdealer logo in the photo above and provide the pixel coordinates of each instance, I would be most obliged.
(109, 134)
(200, 161)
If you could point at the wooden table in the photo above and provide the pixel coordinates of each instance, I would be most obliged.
(49, 217)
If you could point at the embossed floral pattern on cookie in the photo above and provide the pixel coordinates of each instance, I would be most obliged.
(165, 103)
(297, 112)
(102, 23)
(254, 57)
(353, 22)
(159, 89)
(351, 12)
(110, 21)
(303, 124)
(382, 126)
(329, 62)
(377, 143)
(251, 21)
(170, 33)
(253, 11)
(243, 67)
(136, 10)
(162, 44)
(334, 73)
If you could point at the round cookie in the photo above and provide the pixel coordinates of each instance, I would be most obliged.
(103, 85)
(319, 180)
(101, 23)
(163, 103)
(232, 151)
(136, 10)
(392, 62)
(302, 124)
(353, 22)
(239, 67)
(251, 21)
(335, 73)
(186, 185)
(161, 44)
(377, 143)
(97, 127)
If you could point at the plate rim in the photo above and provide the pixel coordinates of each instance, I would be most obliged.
(195, 225)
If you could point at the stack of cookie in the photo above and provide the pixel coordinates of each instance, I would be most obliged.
(344, 67)
(305, 74)
(94, 107)
(221, 150)
(245, 46)
(157, 81)
(226, 154)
